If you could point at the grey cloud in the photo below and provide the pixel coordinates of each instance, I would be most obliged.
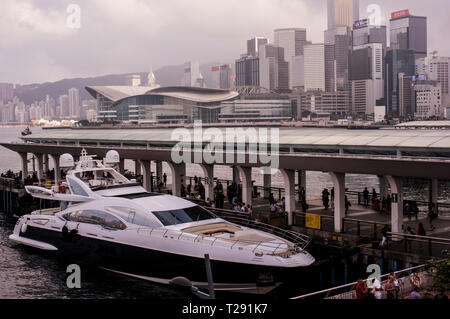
(134, 35)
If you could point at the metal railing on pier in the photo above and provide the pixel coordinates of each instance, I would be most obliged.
(347, 291)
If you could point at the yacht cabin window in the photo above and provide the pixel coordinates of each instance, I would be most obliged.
(184, 216)
(134, 216)
(96, 217)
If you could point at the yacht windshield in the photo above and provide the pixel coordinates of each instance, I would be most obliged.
(183, 216)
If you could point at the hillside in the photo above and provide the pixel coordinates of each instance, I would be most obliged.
(165, 76)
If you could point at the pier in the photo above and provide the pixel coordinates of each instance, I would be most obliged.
(391, 155)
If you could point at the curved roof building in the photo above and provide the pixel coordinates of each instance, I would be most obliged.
(159, 104)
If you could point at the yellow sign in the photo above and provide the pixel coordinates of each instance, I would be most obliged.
(313, 221)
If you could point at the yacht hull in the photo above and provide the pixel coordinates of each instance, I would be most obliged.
(149, 263)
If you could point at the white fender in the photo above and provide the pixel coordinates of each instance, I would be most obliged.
(24, 228)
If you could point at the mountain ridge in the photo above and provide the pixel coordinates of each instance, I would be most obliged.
(165, 76)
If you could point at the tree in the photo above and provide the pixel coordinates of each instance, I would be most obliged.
(439, 270)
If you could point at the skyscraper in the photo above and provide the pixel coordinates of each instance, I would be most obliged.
(365, 33)
(397, 61)
(408, 32)
(315, 67)
(247, 72)
(293, 41)
(274, 70)
(342, 13)
(367, 77)
(247, 67)
(340, 41)
(74, 103)
(254, 44)
(6, 92)
(435, 68)
(221, 76)
(191, 74)
(64, 104)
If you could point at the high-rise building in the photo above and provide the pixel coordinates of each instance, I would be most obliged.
(297, 68)
(221, 76)
(365, 33)
(247, 72)
(319, 102)
(65, 108)
(314, 67)
(397, 61)
(406, 106)
(274, 70)
(133, 80)
(342, 13)
(293, 41)
(340, 41)
(6, 92)
(254, 44)
(74, 103)
(435, 68)
(367, 77)
(191, 74)
(200, 82)
(428, 99)
(408, 32)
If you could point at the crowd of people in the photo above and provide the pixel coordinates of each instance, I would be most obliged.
(29, 180)
(392, 287)
(276, 206)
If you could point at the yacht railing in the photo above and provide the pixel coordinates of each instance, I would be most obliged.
(259, 248)
(299, 240)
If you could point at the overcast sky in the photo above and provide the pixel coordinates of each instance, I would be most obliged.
(134, 35)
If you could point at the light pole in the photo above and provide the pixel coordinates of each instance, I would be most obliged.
(184, 283)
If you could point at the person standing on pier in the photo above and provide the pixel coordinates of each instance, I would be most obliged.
(366, 197)
(271, 199)
(374, 196)
(361, 290)
(332, 197)
(165, 179)
(347, 205)
(326, 198)
(431, 215)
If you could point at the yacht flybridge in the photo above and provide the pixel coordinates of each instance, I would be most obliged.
(112, 222)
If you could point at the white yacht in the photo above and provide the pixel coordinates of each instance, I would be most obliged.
(109, 221)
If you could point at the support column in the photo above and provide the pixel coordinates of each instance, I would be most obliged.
(396, 184)
(178, 177)
(246, 174)
(301, 175)
(147, 174)
(40, 168)
(383, 187)
(289, 185)
(267, 184)
(159, 170)
(434, 192)
(24, 157)
(46, 164)
(57, 168)
(339, 200)
(236, 176)
(208, 171)
(122, 166)
(137, 168)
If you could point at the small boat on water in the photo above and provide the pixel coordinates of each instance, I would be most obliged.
(114, 223)
(27, 132)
